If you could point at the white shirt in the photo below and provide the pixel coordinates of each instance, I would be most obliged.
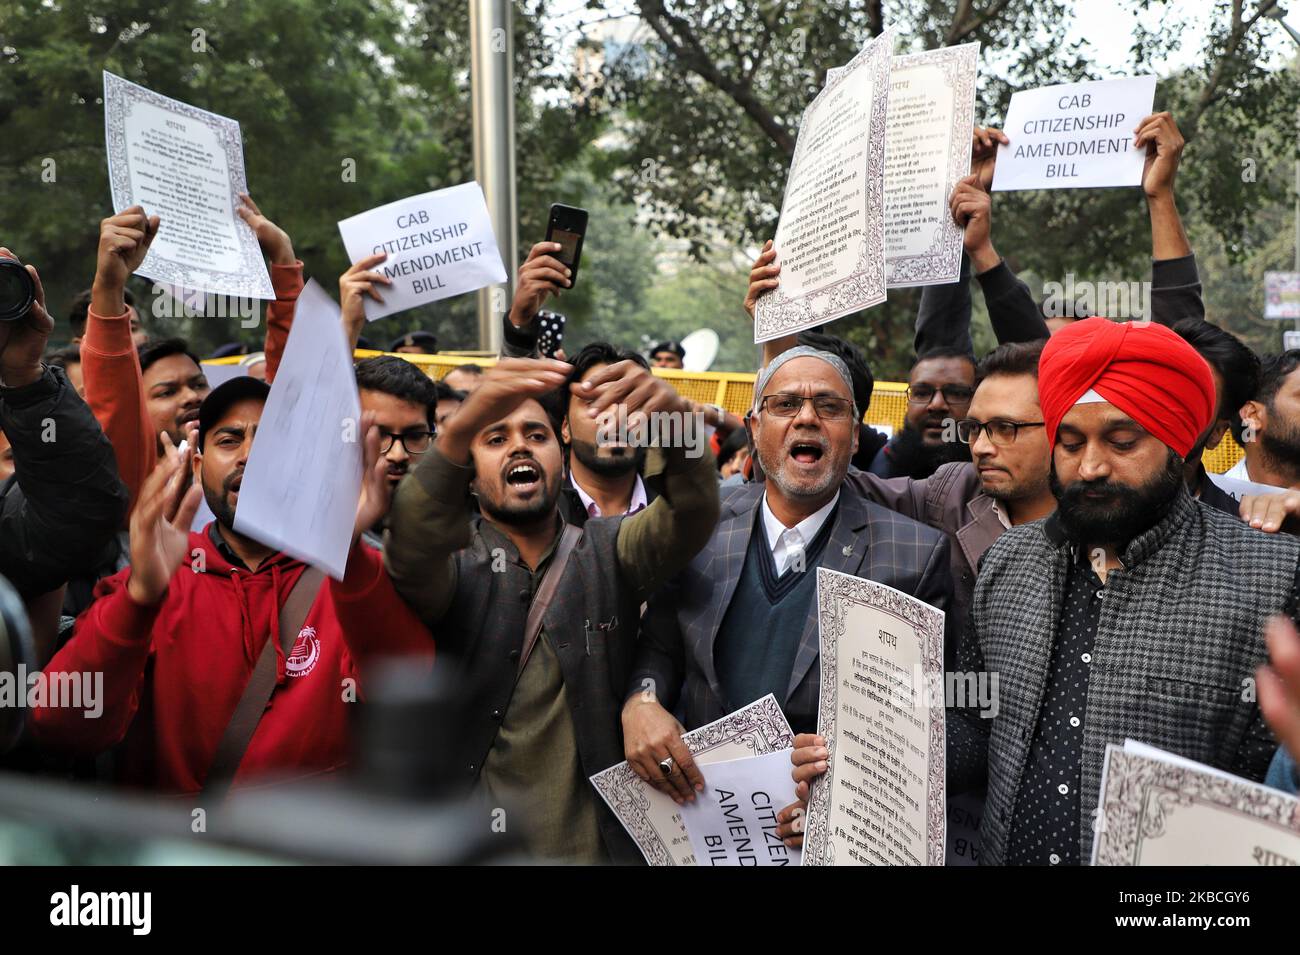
(786, 542)
(637, 503)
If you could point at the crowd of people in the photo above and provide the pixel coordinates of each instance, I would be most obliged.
(594, 599)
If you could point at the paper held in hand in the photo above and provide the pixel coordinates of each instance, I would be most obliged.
(652, 819)
(881, 712)
(303, 480)
(733, 822)
(186, 166)
(1158, 808)
(439, 244)
(830, 241)
(1075, 136)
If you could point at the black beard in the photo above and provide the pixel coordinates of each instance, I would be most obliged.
(914, 459)
(521, 515)
(1125, 512)
(1281, 441)
(217, 501)
(589, 455)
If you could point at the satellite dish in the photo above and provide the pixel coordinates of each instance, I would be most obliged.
(701, 348)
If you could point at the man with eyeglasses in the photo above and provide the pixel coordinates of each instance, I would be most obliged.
(939, 391)
(739, 622)
(404, 401)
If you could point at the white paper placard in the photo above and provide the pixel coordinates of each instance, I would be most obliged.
(303, 479)
(186, 166)
(439, 244)
(1075, 136)
(733, 822)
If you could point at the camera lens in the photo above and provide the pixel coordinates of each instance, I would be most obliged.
(17, 290)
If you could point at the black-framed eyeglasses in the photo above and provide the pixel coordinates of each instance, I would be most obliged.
(952, 394)
(415, 442)
(827, 407)
(1000, 432)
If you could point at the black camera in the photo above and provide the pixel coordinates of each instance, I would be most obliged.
(17, 290)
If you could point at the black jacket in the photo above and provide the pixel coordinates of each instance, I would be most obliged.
(65, 501)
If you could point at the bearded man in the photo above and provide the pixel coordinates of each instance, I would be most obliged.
(1134, 612)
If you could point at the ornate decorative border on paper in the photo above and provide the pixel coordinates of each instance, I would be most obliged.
(1140, 793)
(778, 315)
(119, 96)
(835, 592)
(760, 726)
(941, 262)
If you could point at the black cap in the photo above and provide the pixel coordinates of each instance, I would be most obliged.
(672, 346)
(421, 339)
(221, 398)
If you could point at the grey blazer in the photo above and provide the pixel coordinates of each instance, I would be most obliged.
(675, 651)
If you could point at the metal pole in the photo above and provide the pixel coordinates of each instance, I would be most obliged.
(492, 95)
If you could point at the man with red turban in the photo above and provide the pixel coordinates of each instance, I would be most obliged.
(1133, 612)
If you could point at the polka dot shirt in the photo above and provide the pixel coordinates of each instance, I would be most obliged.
(1045, 825)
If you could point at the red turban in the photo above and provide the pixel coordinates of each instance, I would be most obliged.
(1144, 369)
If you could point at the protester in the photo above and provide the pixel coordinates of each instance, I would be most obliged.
(174, 386)
(415, 343)
(115, 389)
(540, 277)
(403, 402)
(78, 318)
(69, 359)
(543, 658)
(464, 378)
(604, 473)
(1164, 657)
(939, 390)
(449, 401)
(1270, 426)
(178, 635)
(63, 499)
(733, 455)
(740, 621)
(668, 354)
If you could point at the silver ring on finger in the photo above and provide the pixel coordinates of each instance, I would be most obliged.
(666, 766)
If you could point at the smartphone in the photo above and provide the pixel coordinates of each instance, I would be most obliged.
(567, 226)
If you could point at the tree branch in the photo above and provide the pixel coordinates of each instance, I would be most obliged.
(682, 43)
(963, 29)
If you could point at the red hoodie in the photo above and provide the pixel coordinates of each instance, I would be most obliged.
(173, 672)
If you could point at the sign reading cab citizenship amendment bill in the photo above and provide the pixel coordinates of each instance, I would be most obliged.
(1075, 136)
(439, 244)
(830, 241)
(186, 166)
(881, 708)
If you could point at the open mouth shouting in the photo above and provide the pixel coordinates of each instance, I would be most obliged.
(807, 453)
(523, 478)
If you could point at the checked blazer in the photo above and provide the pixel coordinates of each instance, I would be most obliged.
(1178, 640)
(675, 652)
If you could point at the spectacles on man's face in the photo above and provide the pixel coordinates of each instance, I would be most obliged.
(415, 442)
(1000, 432)
(954, 395)
(827, 407)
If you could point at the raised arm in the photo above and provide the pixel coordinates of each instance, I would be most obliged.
(1175, 284)
(541, 276)
(286, 279)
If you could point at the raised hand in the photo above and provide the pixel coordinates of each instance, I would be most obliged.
(972, 209)
(354, 284)
(376, 492)
(22, 343)
(1164, 145)
(159, 545)
(762, 277)
(984, 153)
(506, 385)
(541, 275)
(275, 242)
(124, 240)
(631, 388)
